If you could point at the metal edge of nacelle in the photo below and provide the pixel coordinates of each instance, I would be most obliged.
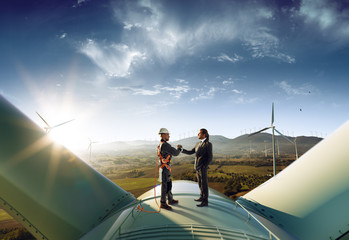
(222, 218)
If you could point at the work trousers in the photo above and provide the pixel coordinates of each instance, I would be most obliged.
(166, 186)
(201, 175)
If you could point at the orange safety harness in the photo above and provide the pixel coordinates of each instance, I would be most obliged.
(164, 161)
(163, 164)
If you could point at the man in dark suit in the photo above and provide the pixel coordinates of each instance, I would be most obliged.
(203, 156)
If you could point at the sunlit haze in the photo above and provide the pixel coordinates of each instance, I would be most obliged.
(124, 69)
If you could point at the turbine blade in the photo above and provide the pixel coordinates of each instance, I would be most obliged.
(284, 136)
(272, 114)
(43, 120)
(62, 123)
(259, 131)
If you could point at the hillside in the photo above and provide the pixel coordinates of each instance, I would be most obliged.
(242, 145)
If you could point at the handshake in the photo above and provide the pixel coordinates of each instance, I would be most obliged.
(180, 147)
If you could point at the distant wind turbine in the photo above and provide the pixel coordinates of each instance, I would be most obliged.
(48, 128)
(90, 148)
(295, 146)
(273, 136)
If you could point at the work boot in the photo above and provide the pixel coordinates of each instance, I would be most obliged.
(165, 206)
(203, 204)
(198, 200)
(172, 202)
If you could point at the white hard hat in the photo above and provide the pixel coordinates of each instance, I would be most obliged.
(163, 130)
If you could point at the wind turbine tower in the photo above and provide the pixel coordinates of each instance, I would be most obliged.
(90, 148)
(272, 136)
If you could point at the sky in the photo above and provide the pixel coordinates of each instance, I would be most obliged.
(124, 69)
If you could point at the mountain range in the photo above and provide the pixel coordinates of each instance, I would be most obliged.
(243, 145)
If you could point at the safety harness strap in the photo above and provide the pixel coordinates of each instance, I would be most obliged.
(164, 161)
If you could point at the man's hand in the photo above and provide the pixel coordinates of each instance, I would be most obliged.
(180, 147)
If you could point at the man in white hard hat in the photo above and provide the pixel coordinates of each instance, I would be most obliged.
(165, 153)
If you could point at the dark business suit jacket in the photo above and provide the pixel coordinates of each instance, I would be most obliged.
(203, 154)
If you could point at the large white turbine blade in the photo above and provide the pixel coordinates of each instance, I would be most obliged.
(272, 114)
(259, 131)
(62, 123)
(319, 210)
(43, 120)
(283, 136)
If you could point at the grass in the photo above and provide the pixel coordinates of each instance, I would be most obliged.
(4, 216)
(245, 169)
(134, 183)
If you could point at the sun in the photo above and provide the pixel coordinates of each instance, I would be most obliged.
(65, 130)
(70, 135)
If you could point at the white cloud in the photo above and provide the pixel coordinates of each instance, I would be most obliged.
(115, 59)
(224, 57)
(305, 89)
(182, 81)
(176, 91)
(79, 3)
(242, 100)
(227, 82)
(136, 91)
(63, 36)
(206, 94)
(265, 13)
(237, 91)
(263, 44)
(153, 31)
(166, 38)
(317, 11)
(327, 16)
(129, 26)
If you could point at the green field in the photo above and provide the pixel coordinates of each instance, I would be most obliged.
(4, 216)
(134, 183)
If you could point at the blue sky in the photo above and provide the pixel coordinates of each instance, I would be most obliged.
(123, 69)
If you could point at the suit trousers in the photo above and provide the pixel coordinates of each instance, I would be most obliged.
(201, 175)
(166, 186)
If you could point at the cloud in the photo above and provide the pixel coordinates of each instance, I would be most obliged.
(304, 90)
(63, 36)
(160, 31)
(242, 100)
(129, 26)
(114, 59)
(176, 91)
(330, 16)
(237, 91)
(206, 94)
(79, 3)
(227, 82)
(318, 11)
(182, 81)
(263, 44)
(168, 38)
(224, 57)
(136, 91)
